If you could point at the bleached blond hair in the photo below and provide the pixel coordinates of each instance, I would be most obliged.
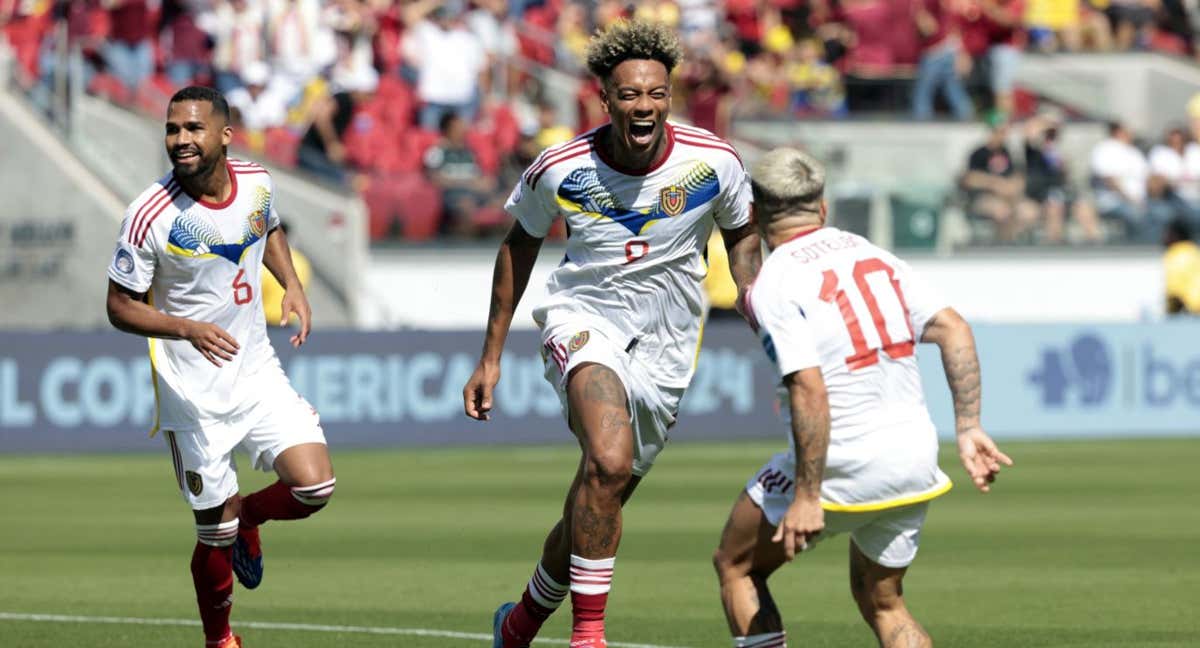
(786, 182)
(627, 40)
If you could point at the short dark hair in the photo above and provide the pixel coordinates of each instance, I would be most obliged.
(204, 93)
(627, 40)
(447, 120)
(1114, 126)
(1177, 230)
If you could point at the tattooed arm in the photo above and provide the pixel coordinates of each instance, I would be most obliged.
(745, 257)
(514, 263)
(810, 431)
(978, 452)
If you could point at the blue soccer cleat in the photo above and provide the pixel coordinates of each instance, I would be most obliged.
(248, 558)
(498, 622)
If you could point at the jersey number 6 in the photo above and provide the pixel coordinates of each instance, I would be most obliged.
(242, 291)
(865, 356)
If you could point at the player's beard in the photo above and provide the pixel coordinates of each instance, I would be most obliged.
(201, 166)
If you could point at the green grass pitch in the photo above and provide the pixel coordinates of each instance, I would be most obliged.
(1088, 543)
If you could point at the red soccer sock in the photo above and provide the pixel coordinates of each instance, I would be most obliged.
(541, 598)
(281, 502)
(590, 582)
(212, 574)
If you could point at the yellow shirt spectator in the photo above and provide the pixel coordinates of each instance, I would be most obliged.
(1181, 263)
(718, 285)
(272, 291)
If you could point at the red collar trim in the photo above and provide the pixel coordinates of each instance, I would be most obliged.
(612, 164)
(233, 190)
(802, 234)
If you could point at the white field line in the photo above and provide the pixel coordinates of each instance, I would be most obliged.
(299, 627)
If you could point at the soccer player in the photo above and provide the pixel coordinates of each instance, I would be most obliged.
(840, 318)
(621, 326)
(185, 275)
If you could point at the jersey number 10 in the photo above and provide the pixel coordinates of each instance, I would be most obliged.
(865, 356)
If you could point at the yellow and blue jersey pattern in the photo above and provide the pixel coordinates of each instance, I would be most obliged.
(192, 235)
(583, 192)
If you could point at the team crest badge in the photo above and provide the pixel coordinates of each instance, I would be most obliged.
(258, 223)
(578, 340)
(194, 483)
(672, 199)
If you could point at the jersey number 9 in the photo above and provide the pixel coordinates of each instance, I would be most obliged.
(636, 250)
(865, 356)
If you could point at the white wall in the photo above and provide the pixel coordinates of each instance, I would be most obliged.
(449, 289)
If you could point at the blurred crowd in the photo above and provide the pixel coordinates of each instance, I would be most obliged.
(1135, 191)
(431, 108)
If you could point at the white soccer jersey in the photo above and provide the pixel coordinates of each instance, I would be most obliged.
(831, 299)
(201, 261)
(636, 240)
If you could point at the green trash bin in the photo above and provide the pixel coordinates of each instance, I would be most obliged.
(915, 222)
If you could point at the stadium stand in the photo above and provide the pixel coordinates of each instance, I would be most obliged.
(517, 76)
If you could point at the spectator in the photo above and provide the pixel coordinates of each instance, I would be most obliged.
(996, 190)
(272, 290)
(1047, 181)
(322, 151)
(498, 37)
(1181, 269)
(185, 46)
(1070, 25)
(128, 53)
(301, 44)
(1175, 174)
(1131, 21)
(453, 168)
(708, 99)
(237, 30)
(1005, 39)
(939, 67)
(816, 86)
(550, 130)
(1119, 175)
(257, 109)
(449, 61)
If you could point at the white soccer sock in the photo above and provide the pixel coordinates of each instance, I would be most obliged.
(591, 576)
(546, 591)
(766, 640)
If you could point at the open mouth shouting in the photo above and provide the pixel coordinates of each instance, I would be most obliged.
(641, 132)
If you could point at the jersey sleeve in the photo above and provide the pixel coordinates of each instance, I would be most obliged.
(733, 205)
(921, 298)
(786, 333)
(132, 266)
(273, 218)
(532, 207)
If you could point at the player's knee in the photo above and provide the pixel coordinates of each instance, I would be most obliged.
(609, 472)
(724, 564)
(315, 496)
(222, 534)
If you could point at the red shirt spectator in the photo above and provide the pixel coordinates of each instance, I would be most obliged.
(130, 21)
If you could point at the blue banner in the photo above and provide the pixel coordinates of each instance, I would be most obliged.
(92, 392)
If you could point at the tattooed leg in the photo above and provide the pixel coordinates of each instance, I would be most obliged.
(879, 592)
(601, 414)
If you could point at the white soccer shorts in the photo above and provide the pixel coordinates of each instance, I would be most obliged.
(203, 456)
(889, 537)
(652, 408)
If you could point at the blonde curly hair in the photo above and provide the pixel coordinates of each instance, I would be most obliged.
(627, 40)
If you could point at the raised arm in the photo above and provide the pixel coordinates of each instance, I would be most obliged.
(809, 404)
(514, 263)
(745, 257)
(980, 457)
(277, 257)
(129, 312)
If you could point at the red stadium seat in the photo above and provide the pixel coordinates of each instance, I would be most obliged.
(407, 203)
(282, 146)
